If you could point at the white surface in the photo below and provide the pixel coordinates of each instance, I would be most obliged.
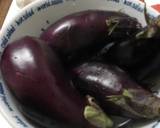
(23, 3)
(4, 123)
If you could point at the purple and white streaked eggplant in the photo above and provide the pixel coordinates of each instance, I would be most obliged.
(116, 92)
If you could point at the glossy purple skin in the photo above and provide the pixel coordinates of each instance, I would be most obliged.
(82, 29)
(35, 76)
(109, 84)
(103, 79)
(132, 54)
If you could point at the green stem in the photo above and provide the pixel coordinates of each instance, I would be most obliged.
(95, 115)
(153, 26)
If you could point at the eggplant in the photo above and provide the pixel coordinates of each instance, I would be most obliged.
(133, 53)
(130, 54)
(152, 67)
(152, 82)
(79, 35)
(149, 75)
(35, 76)
(115, 91)
(151, 30)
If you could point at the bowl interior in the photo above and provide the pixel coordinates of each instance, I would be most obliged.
(37, 17)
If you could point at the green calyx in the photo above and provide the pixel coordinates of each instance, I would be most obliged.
(112, 23)
(96, 117)
(137, 103)
(122, 102)
(126, 93)
(153, 26)
(147, 18)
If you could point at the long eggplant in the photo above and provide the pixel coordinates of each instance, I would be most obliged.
(116, 92)
(81, 34)
(149, 75)
(35, 76)
(131, 54)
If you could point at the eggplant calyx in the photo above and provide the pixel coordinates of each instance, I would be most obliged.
(147, 18)
(145, 103)
(157, 21)
(149, 33)
(153, 26)
(95, 115)
(152, 30)
(138, 104)
(112, 23)
(122, 102)
(126, 93)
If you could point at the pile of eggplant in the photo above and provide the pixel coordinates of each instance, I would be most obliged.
(87, 67)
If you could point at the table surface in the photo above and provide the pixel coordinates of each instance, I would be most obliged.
(4, 6)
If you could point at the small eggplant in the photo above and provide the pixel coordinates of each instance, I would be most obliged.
(116, 92)
(34, 74)
(83, 33)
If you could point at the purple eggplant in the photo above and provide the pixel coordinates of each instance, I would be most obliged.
(135, 52)
(83, 33)
(151, 30)
(149, 75)
(35, 76)
(116, 92)
(130, 54)
(153, 66)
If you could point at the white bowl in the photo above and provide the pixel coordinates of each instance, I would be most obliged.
(35, 17)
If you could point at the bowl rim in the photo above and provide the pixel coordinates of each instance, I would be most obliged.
(38, 2)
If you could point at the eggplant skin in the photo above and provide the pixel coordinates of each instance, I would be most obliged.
(78, 32)
(116, 92)
(130, 54)
(34, 74)
(149, 75)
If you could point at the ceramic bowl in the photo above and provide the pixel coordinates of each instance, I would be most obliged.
(38, 16)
